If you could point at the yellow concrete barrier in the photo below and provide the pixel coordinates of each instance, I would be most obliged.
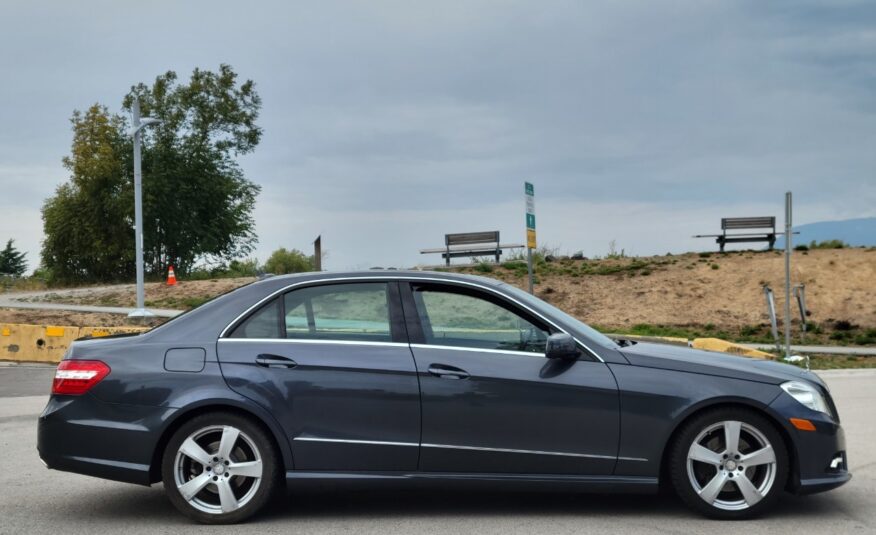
(723, 346)
(35, 343)
(47, 343)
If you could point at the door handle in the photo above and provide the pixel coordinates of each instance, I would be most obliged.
(275, 361)
(447, 372)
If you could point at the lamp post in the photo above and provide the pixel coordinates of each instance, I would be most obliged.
(138, 125)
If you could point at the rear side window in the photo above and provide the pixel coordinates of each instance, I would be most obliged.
(265, 323)
(343, 312)
(355, 312)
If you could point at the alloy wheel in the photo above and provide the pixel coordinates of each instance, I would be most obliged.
(731, 465)
(218, 469)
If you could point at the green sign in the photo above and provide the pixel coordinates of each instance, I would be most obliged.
(529, 189)
(530, 221)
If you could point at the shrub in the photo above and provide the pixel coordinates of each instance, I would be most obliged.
(716, 266)
(284, 261)
(844, 325)
(705, 255)
(801, 248)
(828, 244)
(483, 267)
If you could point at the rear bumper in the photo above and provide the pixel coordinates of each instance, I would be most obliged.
(84, 435)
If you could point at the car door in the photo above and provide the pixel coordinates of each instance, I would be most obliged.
(332, 363)
(492, 402)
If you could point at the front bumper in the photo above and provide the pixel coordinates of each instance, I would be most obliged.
(84, 435)
(819, 461)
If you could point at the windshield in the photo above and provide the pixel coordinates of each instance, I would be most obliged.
(587, 330)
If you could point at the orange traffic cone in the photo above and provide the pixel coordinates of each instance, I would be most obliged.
(171, 276)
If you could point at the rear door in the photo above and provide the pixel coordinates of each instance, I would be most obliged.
(492, 402)
(332, 363)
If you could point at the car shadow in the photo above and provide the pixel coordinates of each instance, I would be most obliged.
(129, 504)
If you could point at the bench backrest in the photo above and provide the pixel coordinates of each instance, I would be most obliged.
(466, 238)
(734, 223)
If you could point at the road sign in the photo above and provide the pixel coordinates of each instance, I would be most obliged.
(530, 215)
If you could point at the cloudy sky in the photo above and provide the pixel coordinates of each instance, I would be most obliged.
(387, 124)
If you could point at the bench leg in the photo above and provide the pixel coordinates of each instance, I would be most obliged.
(720, 244)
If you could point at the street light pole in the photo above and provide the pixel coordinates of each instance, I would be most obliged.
(138, 125)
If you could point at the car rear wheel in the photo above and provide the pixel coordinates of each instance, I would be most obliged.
(220, 468)
(729, 464)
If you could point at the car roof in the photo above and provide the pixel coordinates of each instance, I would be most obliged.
(280, 280)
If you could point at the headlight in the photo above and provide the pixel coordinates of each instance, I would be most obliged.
(807, 395)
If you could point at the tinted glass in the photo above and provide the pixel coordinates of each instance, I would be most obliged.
(265, 323)
(463, 320)
(358, 312)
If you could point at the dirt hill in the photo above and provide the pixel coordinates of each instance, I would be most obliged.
(697, 289)
(692, 293)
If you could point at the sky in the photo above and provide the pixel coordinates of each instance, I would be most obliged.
(390, 123)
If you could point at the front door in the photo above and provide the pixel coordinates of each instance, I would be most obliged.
(332, 363)
(492, 402)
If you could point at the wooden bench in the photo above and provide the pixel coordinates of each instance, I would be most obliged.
(471, 244)
(744, 223)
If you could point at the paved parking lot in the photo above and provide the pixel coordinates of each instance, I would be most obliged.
(36, 500)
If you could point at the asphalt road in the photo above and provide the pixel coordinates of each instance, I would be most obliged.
(36, 500)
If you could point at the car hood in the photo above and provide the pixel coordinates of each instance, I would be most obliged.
(667, 357)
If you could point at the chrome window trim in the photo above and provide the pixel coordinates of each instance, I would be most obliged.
(468, 448)
(480, 350)
(315, 341)
(389, 278)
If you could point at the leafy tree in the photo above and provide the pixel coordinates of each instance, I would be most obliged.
(197, 203)
(284, 261)
(12, 262)
(87, 224)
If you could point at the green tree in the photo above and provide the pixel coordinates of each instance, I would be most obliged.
(87, 223)
(197, 203)
(12, 262)
(284, 261)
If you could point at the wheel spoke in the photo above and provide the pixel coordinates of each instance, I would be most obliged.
(731, 436)
(229, 438)
(194, 486)
(192, 449)
(704, 455)
(247, 469)
(749, 492)
(711, 491)
(765, 455)
(226, 496)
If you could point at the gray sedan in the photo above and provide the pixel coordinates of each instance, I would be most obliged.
(428, 378)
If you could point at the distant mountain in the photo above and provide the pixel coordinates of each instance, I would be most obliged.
(855, 232)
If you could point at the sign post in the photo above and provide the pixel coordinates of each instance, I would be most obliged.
(529, 191)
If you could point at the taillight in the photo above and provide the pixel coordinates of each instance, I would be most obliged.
(76, 377)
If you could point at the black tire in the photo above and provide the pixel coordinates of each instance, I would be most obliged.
(731, 495)
(253, 444)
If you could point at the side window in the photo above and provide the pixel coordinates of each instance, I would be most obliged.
(356, 312)
(460, 319)
(265, 323)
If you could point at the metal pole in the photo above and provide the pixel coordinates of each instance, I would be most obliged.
(787, 274)
(529, 268)
(771, 310)
(140, 311)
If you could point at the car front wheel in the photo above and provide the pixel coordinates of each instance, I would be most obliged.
(729, 464)
(220, 468)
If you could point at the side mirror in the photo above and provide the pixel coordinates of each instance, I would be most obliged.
(561, 346)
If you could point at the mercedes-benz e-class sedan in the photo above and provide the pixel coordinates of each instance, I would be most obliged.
(428, 377)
